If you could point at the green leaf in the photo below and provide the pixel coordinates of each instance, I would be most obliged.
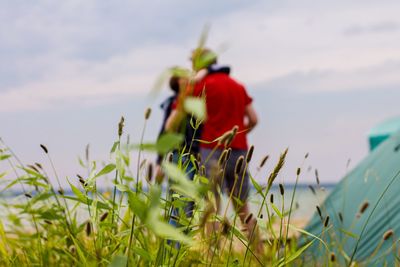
(168, 142)
(3, 241)
(164, 144)
(122, 187)
(34, 173)
(50, 215)
(88, 201)
(114, 147)
(309, 234)
(10, 185)
(81, 162)
(41, 196)
(257, 186)
(181, 182)
(278, 212)
(137, 205)
(349, 233)
(78, 193)
(107, 169)
(166, 230)
(143, 253)
(81, 255)
(196, 106)
(4, 157)
(2, 174)
(292, 257)
(119, 261)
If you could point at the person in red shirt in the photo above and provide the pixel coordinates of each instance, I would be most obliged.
(228, 107)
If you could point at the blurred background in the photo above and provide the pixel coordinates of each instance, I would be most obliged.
(321, 74)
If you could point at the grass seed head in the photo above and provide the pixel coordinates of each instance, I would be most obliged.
(271, 198)
(226, 226)
(147, 114)
(44, 148)
(33, 168)
(333, 257)
(298, 171)
(364, 207)
(326, 223)
(389, 233)
(222, 158)
(319, 212)
(103, 216)
(263, 161)
(88, 228)
(87, 152)
(170, 157)
(248, 218)
(231, 136)
(249, 154)
(150, 172)
(281, 189)
(317, 176)
(277, 168)
(121, 126)
(39, 165)
(340, 217)
(239, 165)
(60, 191)
(28, 195)
(72, 249)
(312, 189)
(81, 180)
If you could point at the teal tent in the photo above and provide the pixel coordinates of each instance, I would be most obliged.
(371, 190)
(382, 131)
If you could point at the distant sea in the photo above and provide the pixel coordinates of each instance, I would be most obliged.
(305, 201)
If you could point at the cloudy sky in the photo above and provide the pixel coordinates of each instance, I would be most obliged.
(321, 73)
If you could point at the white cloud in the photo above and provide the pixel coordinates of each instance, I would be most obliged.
(307, 37)
(376, 77)
(78, 82)
(93, 53)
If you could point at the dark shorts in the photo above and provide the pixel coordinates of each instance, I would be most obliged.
(241, 188)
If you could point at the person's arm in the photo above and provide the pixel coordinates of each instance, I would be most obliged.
(170, 125)
(251, 116)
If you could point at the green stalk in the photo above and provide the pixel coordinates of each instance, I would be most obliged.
(281, 225)
(147, 115)
(115, 186)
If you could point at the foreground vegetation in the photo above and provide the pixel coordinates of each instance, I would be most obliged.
(128, 225)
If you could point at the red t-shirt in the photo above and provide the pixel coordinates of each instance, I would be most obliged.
(226, 101)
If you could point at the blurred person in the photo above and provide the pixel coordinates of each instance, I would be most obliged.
(228, 107)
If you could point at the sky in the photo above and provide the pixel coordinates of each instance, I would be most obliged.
(321, 74)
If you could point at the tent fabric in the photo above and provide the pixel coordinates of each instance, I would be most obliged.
(382, 131)
(364, 184)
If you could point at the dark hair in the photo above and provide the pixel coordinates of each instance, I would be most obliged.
(174, 83)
